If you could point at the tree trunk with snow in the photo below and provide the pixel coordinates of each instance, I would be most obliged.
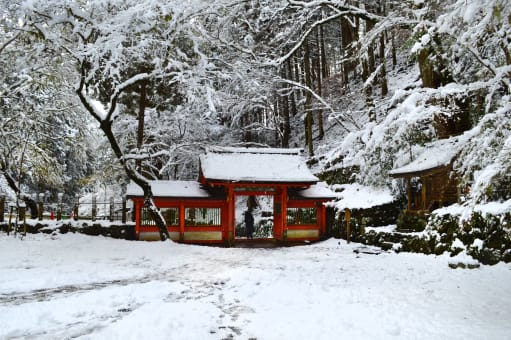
(383, 70)
(308, 100)
(105, 124)
(318, 60)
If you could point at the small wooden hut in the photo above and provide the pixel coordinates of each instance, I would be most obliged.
(431, 183)
(203, 211)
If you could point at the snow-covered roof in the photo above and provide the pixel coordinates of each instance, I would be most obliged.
(191, 189)
(319, 190)
(255, 165)
(435, 155)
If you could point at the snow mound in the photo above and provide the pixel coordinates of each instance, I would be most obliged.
(357, 196)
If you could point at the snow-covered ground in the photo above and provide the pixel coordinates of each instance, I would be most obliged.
(76, 286)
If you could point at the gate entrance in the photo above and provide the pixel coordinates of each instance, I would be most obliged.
(261, 209)
(283, 196)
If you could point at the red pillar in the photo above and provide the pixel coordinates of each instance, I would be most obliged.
(284, 212)
(230, 215)
(181, 221)
(278, 226)
(321, 218)
(138, 211)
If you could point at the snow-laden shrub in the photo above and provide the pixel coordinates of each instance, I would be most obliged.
(485, 159)
(395, 141)
(485, 233)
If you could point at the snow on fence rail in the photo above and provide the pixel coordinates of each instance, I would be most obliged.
(91, 210)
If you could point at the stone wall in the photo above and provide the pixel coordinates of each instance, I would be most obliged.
(487, 238)
(120, 231)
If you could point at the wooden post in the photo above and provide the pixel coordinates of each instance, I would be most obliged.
(123, 210)
(40, 206)
(94, 209)
(76, 208)
(24, 212)
(111, 209)
(2, 207)
(10, 218)
(347, 217)
(59, 206)
(21, 212)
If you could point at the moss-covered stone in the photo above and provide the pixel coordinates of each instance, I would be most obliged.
(380, 215)
(489, 256)
(411, 222)
(345, 175)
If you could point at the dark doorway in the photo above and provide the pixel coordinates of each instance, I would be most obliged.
(261, 208)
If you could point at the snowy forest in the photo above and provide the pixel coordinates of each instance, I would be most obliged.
(96, 93)
(399, 108)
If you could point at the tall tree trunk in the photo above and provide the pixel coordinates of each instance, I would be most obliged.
(321, 131)
(370, 58)
(356, 35)
(370, 66)
(277, 118)
(141, 117)
(308, 100)
(370, 48)
(248, 132)
(298, 69)
(394, 52)
(325, 73)
(365, 69)
(346, 40)
(383, 70)
(370, 104)
(286, 125)
(292, 95)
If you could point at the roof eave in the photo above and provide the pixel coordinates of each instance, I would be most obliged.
(261, 182)
(420, 173)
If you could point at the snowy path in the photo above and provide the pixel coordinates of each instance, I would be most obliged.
(97, 288)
